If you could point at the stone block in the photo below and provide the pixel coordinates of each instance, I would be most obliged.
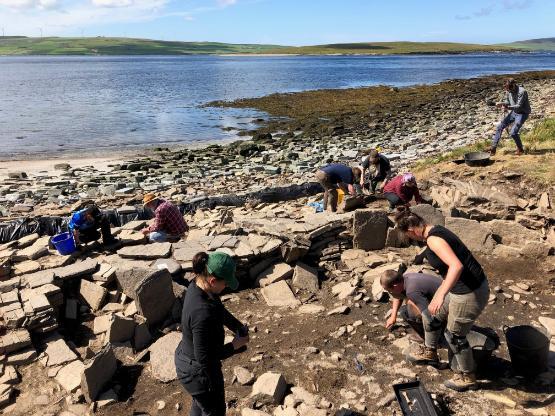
(270, 386)
(476, 236)
(274, 273)
(101, 324)
(22, 357)
(244, 377)
(431, 215)
(57, 353)
(37, 250)
(305, 278)
(142, 337)
(69, 376)
(511, 233)
(154, 296)
(369, 229)
(37, 279)
(161, 357)
(169, 264)
(82, 268)
(121, 329)
(146, 252)
(14, 341)
(279, 294)
(97, 373)
(93, 294)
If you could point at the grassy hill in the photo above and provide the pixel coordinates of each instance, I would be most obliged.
(545, 44)
(20, 45)
(119, 46)
(391, 48)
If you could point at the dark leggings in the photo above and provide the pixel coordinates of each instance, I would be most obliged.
(380, 177)
(209, 404)
(393, 199)
(92, 234)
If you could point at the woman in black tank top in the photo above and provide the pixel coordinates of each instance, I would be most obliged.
(465, 281)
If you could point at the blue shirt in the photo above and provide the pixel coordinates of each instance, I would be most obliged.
(338, 172)
(79, 221)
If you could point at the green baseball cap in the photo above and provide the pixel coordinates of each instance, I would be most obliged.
(222, 266)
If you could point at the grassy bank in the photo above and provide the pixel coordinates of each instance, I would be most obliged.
(393, 48)
(120, 46)
(20, 45)
(547, 44)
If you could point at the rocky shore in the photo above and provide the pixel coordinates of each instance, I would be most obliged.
(94, 332)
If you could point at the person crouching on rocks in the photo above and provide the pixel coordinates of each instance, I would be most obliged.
(382, 166)
(418, 289)
(84, 226)
(336, 176)
(401, 189)
(169, 224)
(464, 281)
(199, 354)
(517, 102)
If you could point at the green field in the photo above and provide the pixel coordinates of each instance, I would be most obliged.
(119, 46)
(391, 48)
(546, 44)
(20, 45)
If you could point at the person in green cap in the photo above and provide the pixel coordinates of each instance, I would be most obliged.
(199, 354)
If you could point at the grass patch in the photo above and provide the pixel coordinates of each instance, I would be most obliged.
(541, 137)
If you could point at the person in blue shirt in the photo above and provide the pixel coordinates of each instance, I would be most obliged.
(84, 226)
(334, 176)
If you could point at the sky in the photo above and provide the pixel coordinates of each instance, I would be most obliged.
(284, 22)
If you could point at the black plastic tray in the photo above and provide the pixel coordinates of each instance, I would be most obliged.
(414, 400)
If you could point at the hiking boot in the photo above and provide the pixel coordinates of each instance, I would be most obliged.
(519, 152)
(462, 382)
(492, 150)
(424, 355)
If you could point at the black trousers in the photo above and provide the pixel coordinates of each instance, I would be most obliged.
(209, 404)
(393, 199)
(380, 177)
(92, 234)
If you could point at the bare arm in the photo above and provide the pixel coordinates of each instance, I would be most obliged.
(440, 247)
(394, 310)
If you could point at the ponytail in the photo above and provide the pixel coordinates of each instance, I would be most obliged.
(405, 219)
(200, 261)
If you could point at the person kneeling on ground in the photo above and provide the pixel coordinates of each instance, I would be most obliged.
(336, 176)
(516, 101)
(401, 189)
(382, 166)
(418, 289)
(464, 281)
(168, 225)
(199, 354)
(84, 226)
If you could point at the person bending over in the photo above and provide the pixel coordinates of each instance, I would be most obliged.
(382, 169)
(84, 226)
(401, 189)
(335, 176)
(464, 281)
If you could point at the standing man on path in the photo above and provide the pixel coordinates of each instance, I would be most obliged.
(517, 102)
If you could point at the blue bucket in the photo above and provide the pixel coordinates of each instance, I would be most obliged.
(64, 243)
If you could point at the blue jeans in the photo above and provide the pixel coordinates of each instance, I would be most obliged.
(158, 237)
(518, 120)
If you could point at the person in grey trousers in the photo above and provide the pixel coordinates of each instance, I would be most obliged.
(517, 102)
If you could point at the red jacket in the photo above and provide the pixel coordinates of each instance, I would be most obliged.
(395, 186)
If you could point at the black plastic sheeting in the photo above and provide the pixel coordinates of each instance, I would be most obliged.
(19, 228)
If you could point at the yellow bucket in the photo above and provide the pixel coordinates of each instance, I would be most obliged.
(340, 196)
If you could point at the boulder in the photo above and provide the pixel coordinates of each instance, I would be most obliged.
(97, 373)
(154, 296)
(476, 236)
(269, 387)
(305, 278)
(430, 214)
(511, 233)
(92, 293)
(369, 229)
(161, 357)
(274, 273)
(121, 329)
(244, 377)
(548, 324)
(279, 294)
(343, 290)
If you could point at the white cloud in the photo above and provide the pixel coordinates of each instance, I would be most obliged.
(30, 4)
(225, 3)
(127, 3)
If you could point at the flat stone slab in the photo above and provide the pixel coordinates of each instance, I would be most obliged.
(69, 375)
(97, 373)
(549, 324)
(92, 293)
(40, 278)
(279, 294)
(161, 357)
(146, 251)
(83, 268)
(275, 273)
(58, 353)
(185, 251)
(14, 341)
